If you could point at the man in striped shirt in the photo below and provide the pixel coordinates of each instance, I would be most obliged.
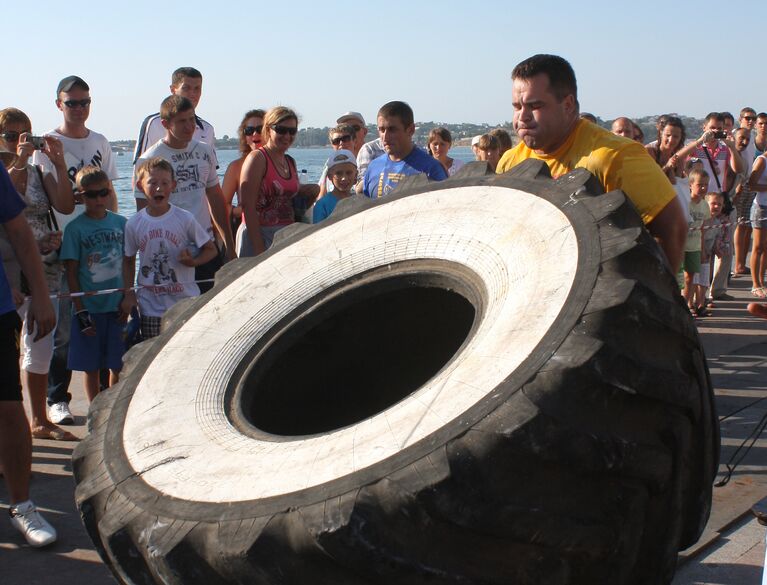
(186, 82)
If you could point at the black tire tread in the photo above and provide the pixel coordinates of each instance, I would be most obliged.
(610, 478)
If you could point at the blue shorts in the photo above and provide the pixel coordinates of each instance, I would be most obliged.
(758, 216)
(103, 350)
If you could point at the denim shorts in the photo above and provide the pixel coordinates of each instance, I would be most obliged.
(758, 216)
(103, 350)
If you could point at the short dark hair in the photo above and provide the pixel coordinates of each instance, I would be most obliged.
(400, 110)
(182, 72)
(747, 110)
(714, 116)
(558, 70)
(761, 116)
(153, 163)
(728, 116)
(174, 105)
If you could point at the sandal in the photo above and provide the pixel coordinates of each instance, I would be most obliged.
(53, 434)
(758, 292)
(702, 312)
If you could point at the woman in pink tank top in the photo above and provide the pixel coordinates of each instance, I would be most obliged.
(268, 183)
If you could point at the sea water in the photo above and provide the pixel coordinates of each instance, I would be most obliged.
(309, 162)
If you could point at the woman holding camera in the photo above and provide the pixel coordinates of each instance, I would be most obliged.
(42, 193)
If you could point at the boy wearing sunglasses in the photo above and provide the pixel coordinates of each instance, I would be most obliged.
(92, 251)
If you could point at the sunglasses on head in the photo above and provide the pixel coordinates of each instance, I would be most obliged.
(83, 103)
(95, 194)
(11, 136)
(339, 139)
(281, 130)
(250, 130)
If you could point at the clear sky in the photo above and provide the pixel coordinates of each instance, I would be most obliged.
(450, 60)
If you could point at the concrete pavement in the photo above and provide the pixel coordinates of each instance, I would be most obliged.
(730, 552)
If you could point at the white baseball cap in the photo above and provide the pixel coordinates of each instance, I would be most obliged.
(340, 157)
(350, 116)
(475, 140)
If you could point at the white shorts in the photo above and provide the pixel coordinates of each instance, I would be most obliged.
(703, 277)
(37, 354)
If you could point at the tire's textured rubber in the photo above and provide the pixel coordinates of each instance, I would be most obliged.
(597, 468)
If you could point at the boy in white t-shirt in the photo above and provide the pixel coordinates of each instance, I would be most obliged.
(168, 239)
(197, 186)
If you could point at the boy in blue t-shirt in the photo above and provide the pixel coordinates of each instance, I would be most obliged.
(92, 251)
(342, 172)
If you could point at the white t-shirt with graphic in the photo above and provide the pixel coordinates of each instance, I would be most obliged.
(195, 171)
(93, 150)
(158, 242)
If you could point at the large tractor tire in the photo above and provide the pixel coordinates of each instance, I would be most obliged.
(488, 380)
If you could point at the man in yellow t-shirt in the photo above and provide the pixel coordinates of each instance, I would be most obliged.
(546, 118)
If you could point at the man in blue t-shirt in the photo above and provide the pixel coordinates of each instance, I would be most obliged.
(402, 157)
(15, 437)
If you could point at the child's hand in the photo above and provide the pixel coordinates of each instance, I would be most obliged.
(127, 305)
(84, 321)
(186, 258)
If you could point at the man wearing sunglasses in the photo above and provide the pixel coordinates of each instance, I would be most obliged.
(186, 82)
(82, 147)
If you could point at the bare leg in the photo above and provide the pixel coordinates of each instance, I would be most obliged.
(15, 450)
(756, 259)
(37, 385)
(742, 240)
(114, 377)
(92, 385)
(689, 288)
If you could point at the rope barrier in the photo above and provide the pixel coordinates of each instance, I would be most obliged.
(109, 291)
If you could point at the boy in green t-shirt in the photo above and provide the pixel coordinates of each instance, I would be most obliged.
(92, 251)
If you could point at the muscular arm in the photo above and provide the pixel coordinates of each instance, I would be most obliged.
(669, 228)
(25, 249)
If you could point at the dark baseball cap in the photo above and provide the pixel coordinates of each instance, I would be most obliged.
(68, 83)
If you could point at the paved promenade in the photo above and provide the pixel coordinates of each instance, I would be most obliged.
(730, 552)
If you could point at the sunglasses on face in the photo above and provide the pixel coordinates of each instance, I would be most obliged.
(250, 130)
(749, 118)
(356, 127)
(95, 194)
(72, 104)
(282, 130)
(11, 136)
(339, 139)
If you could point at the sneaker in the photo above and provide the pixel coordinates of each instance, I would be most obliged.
(27, 520)
(60, 414)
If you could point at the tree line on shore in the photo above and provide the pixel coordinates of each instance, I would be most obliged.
(462, 133)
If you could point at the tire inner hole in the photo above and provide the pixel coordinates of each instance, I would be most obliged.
(357, 353)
